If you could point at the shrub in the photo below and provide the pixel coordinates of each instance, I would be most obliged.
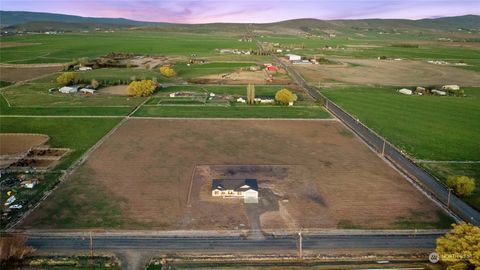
(66, 78)
(167, 72)
(460, 248)
(463, 186)
(95, 84)
(141, 88)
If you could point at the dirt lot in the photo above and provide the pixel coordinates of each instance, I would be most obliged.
(15, 44)
(120, 90)
(246, 77)
(11, 144)
(14, 73)
(324, 177)
(388, 72)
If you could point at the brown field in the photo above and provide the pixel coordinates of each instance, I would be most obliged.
(13, 73)
(312, 174)
(15, 44)
(14, 144)
(388, 72)
(120, 90)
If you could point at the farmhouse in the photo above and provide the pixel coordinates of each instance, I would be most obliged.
(69, 89)
(405, 91)
(235, 188)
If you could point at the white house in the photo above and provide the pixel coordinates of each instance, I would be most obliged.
(236, 188)
(405, 91)
(84, 68)
(68, 89)
(294, 57)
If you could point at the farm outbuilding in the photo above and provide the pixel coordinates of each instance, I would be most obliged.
(405, 91)
(294, 57)
(452, 87)
(68, 89)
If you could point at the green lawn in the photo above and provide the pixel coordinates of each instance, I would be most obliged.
(194, 71)
(109, 75)
(232, 112)
(426, 127)
(78, 134)
(65, 47)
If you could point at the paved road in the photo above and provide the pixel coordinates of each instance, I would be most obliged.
(53, 243)
(405, 164)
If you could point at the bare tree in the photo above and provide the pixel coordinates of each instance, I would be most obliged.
(13, 249)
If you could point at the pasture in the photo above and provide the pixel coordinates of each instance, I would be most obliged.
(426, 127)
(142, 182)
(63, 48)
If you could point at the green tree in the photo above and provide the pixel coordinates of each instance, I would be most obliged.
(66, 78)
(284, 96)
(141, 88)
(460, 248)
(462, 185)
(250, 94)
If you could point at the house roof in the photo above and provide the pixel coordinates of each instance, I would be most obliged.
(235, 184)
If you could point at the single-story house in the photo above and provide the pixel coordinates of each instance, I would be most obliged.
(438, 92)
(241, 100)
(235, 188)
(69, 89)
(294, 57)
(84, 68)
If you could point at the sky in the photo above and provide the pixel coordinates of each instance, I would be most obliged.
(258, 11)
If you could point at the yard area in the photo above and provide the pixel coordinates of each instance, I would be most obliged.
(142, 182)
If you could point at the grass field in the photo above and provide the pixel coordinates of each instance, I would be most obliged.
(78, 134)
(426, 127)
(65, 47)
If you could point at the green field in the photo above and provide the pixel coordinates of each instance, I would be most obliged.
(78, 134)
(232, 112)
(198, 70)
(65, 47)
(426, 127)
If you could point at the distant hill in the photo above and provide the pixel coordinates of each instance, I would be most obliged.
(35, 21)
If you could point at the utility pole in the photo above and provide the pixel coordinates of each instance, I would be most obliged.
(300, 244)
(383, 148)
(448, 198)
(91, 245)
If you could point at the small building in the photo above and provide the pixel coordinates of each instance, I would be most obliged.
(84, 68)
(172, 94)
(452, 87)
(241, 100)
(438, 92)
(405, 91)
(294, 57)
(236, 188)
(68, 89)
(88, 91)
(272, 68)
(29, 183)
(279, 51)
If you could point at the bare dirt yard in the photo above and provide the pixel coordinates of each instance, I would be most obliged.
(388, 72)
(120, 90)
(16, 73)
(156, 174)
(17, 143)
(15, 44)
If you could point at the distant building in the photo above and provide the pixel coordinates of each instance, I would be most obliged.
(294, 57)
(84, 68)
(405, 91)
(69, 89)
(452, 87)
(87, 91)
(236, 188)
